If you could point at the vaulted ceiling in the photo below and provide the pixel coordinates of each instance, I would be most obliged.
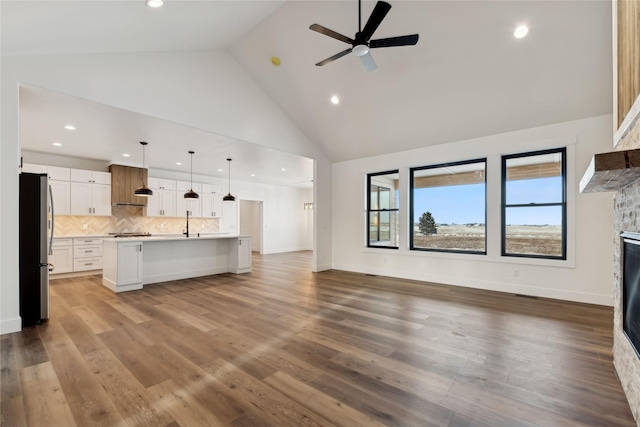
(467, 77)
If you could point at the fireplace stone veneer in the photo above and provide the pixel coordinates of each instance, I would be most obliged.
(626, 361)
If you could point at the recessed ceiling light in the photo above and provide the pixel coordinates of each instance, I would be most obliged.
(154, 3)
(335, 100)
(70, 127)
(283, 169)
(521, 31)
(126, 155)
(253, 174)
(179, 163)
(219, 170)
(57, 144)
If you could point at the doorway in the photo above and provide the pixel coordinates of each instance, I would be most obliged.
(251, 222)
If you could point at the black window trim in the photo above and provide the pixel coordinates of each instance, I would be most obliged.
(563, 203)
(369, 210)
(411, 216)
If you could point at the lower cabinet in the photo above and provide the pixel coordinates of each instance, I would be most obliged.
(240, 255)
(62, 258)
(76, 254)
(123, 265)
(129, 263)
(87, 254)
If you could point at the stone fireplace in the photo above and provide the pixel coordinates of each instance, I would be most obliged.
(627, 218)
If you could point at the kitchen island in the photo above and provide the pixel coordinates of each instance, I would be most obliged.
(130, 263)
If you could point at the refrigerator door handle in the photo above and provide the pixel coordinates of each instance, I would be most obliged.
(53, 221)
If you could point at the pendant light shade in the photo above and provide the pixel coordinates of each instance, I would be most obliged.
(229, 197)
(143, 191)
(191, 194)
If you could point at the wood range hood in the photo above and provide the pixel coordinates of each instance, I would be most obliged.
(124, 181)
(611, 171)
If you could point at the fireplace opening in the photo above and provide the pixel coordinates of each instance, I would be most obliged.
(631, 289)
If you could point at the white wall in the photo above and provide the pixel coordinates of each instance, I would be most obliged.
(284, 221)
(585, 276)
(206, 90)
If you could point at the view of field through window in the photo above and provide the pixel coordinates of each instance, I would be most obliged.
(534, 205)
(449, 207)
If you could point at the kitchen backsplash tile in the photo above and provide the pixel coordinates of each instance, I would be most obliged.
(130, 219)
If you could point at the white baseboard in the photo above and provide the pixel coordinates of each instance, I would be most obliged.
(10, 326)
(489, 285)
(320, 267)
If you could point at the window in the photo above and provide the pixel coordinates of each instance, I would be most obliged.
(382, 209)
(534, 204)
(448, 207)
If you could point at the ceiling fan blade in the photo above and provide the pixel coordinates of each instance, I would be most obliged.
(334, 57)
(368, 62)
(327, 32)
(378, 14)
(394, 41)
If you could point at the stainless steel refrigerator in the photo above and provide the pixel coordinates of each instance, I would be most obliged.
(35, 244)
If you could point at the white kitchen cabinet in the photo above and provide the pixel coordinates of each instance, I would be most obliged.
(90, 199)
(93, 177)
(183, 205)
(62, 258)
(162, 203)
(161, 184)
(61, 191)
(230, 217)
(87, 253)
(56, 173)
(123, 265)
(184, 186)
(33, 168)
(211, 205)
(212, 188)
(240, 255)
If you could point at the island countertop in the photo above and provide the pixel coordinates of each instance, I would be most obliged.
(129, 263)
(167, 237)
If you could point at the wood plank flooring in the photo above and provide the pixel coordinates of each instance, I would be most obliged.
(282, 346)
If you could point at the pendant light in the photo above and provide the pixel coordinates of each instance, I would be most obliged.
(191, 194)
(229, 197)
(143, 191)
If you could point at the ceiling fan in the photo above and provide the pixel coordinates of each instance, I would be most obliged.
(361, 44)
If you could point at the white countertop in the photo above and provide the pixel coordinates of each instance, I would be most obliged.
(172, 237)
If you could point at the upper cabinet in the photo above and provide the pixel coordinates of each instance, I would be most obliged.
(58, 174)
(90, 199)
(59, 183)
(162, 184)
(90, 193)
(61, 191)
(93, 177)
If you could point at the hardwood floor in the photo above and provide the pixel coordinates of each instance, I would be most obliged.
(282, 346)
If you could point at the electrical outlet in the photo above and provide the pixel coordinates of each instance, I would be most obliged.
(85, 226)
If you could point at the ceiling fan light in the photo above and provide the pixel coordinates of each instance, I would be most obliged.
(360, 50)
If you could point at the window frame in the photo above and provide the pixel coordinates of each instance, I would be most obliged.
(412, 247)
(563, 203)
(369, 211)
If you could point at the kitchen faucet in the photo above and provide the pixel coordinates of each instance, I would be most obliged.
(186, 233)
